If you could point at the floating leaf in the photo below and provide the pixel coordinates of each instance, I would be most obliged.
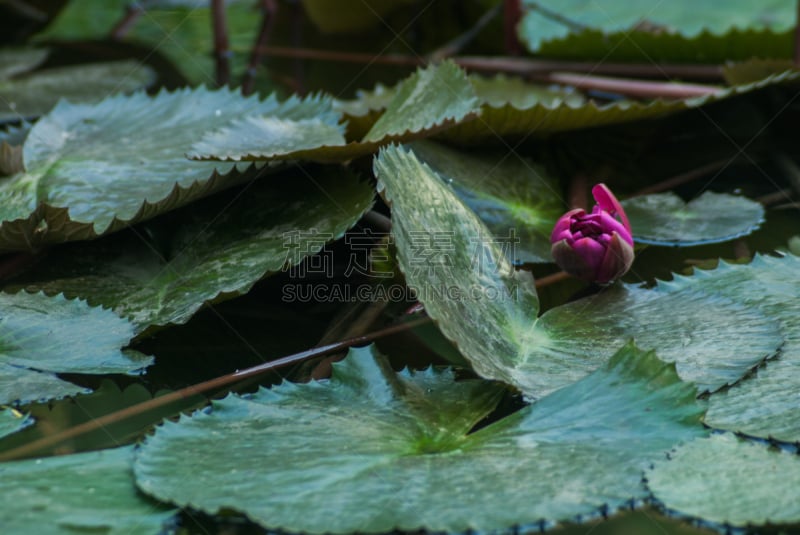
(656, 31)
(752, 70)
(12, 421)
(209, 251)
(507, 116)
(181, 31)
(92, 169)
(430, 100)
(24, 385)
(665, 219)
(59, 416)
(15, 61)
(509, 193)
(730, 481)
(469, 287)
(36, 93)
(55, 334)
(86, 492)
(386, 443)
(764, 405)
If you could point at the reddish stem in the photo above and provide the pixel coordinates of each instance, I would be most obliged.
(269, 10)
(512, 15)
(221, 47)
(521, 66)
(132, 13)
(633, 88)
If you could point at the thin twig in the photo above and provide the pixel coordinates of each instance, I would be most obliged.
(552, 279)
(269, 11)
(30, 12)
(221, 47)
(521, 66)
(27, 450)
(684, 178)
(133, 11)
(775, 197)
(455, 45)
(578, 192)
(629, 87)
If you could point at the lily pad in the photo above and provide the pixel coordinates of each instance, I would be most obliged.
(210, 251)
(665, 219)
(35, 93)
(509, 193)
(181, 31)
(766, 404)
(57, 335)
(430, 100)
(386, 443)
(12, 421)
(468, 286)
(508, 117)
(93, 169)
(657, 31)
(15, 61)
(730, 481)
(86, 492)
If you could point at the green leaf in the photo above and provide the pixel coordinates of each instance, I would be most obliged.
(730, 481)
(468, 286)
(665, 219)
(341, 453)
(657, 31)
(712, 340)
(36, 93)
(350, 15)
(441, 246)
(93, 169)
(12, 421)
(24, 385)
(212, 250)
(764, 405)
(182, 33)
(59, 416)
(506, 115)
(86, 492)
(752, 70)
(430, 100)
(14, 61)
(508, 193)
(54, 334)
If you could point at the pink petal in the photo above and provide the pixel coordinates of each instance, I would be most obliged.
(608, 202)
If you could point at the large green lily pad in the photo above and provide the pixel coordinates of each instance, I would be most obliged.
(430, 100)
(54, 334)
(680, 31)
(210, 251)
(766, 404)
(490, 311)
(369, 450)
(93, 169)
(87, 492)
(12, 421)
(730, 481)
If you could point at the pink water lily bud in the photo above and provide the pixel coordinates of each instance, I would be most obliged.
(597, 247)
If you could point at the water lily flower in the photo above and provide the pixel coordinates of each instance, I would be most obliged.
(597, 247)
